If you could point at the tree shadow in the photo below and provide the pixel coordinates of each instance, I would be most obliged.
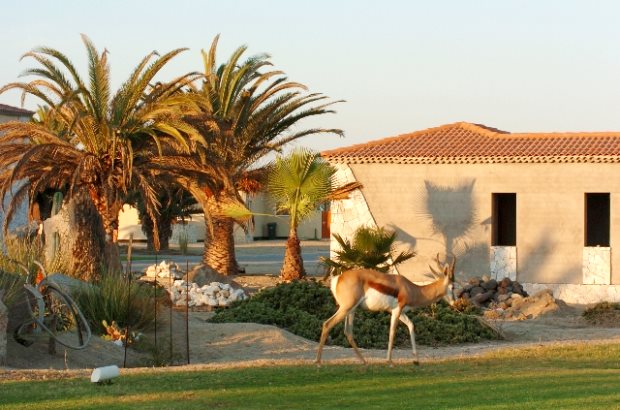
(451, 212)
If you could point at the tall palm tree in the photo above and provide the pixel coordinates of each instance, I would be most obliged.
(246, 112)
(97, 143)
(298, 183)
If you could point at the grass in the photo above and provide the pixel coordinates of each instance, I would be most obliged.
(565, 377)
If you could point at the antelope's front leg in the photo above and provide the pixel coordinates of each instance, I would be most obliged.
(393, 323)
(327, 326)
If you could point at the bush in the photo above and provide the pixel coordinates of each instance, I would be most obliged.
(301, 307)
(107, 300)
(603, 314)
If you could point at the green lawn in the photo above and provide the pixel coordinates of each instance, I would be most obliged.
(575, 377)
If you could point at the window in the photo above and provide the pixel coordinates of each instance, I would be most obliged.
(597, 220)
(504, 220)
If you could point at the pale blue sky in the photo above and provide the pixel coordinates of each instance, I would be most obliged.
(530, 65)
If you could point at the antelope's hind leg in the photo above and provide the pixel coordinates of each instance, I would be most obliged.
(393, 323)
(405, 319)
(348, 332)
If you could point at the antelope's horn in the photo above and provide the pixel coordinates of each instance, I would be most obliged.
(434, 271)
(453, 265)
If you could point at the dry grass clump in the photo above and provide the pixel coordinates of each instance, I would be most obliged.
(604, 314)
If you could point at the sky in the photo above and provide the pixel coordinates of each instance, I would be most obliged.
(400, 66)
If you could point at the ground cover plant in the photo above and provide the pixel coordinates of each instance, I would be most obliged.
(567, 377)
(301, 307)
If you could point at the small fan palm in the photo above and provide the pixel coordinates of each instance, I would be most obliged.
(371, 248)
(298, 183)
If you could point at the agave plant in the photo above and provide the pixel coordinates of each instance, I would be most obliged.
(371, 248)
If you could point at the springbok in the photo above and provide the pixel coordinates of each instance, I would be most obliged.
(378, 291)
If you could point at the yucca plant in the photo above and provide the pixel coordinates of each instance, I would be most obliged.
(370, 248)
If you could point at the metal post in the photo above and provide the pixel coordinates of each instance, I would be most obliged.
(155, 297)
(129, 247)
(170, 313)
(187, 308)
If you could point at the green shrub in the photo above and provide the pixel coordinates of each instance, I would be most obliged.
(107, 300)
(301, 307)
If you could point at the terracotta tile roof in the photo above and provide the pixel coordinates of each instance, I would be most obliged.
(466, 143)
(14, 111)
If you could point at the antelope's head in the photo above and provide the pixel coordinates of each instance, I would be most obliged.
(445, 272)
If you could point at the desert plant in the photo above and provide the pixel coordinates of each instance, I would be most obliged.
(370, 248)
(106, 301)
(302, 306)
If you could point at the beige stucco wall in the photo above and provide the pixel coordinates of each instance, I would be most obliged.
(550, 213)
(310, 228)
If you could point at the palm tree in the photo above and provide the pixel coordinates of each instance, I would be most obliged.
(298, 183)
(246, 112)
(370, 248)
(175, 203)
(96, 143)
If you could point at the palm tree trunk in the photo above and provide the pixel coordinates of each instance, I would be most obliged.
(293, 267)
(219, 251)
(108, 210)
(89, 245)
(165, 232)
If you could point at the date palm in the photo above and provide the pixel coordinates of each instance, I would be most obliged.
(298, 183)
(247, 110)
(92, 142)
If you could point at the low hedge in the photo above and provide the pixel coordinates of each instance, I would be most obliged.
(301, 307)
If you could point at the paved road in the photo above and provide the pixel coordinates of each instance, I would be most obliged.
(263, 257)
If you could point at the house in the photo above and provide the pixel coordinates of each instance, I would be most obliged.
(9, 113)
(266, 224)
(541, 208)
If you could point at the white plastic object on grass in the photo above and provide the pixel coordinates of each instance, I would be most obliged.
(102, 374)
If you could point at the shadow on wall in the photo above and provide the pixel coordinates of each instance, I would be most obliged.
(452, 214)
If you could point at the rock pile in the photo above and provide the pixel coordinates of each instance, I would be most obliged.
(506, 299)
(164, 270)
(485, 291)
(213, 295)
